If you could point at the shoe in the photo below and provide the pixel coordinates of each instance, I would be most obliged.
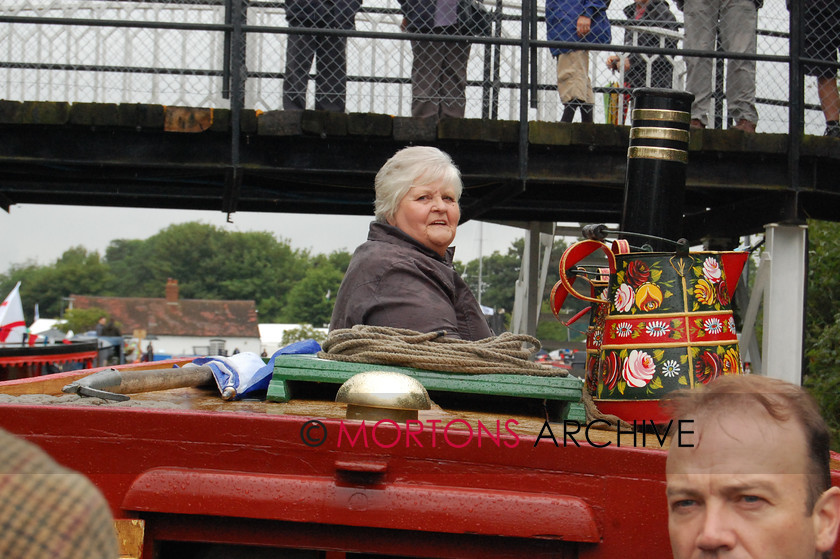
(746, 126)
(696, 123)
(832, 131)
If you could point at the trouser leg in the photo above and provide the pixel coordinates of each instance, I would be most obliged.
(738, 21)
(426, 70)
(300, 51)
(331, 76)
(453, 79)
(701, 17)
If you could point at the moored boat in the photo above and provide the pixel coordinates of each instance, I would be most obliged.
(189, 474)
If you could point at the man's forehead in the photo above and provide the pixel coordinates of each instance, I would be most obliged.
(740, 443)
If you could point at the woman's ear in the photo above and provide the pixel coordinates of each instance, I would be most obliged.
(827, 519)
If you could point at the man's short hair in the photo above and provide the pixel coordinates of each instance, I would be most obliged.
(781, 400)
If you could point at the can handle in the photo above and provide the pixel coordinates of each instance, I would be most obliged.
(571, 257)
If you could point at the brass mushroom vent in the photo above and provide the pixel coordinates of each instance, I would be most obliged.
(375, 395)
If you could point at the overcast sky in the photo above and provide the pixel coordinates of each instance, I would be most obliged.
(42, 232)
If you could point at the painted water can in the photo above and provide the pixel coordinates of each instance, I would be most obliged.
(668, 325)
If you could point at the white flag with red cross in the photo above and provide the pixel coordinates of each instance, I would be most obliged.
(12, 326)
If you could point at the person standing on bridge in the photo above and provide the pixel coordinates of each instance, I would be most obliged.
(647, 13)
(580, 21)
(329, 52)
(735, 22)
(438, 69)
(821, 41)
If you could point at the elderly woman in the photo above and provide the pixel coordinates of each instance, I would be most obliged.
(402, 276)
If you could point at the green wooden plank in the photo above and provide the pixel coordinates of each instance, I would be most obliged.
(312, 362)
(576, 411)
(311, 369)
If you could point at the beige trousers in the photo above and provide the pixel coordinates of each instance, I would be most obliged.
(573, 77)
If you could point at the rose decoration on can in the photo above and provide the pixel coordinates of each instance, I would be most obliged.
(637, 273)
(624, 298)
(638, 368)
(711, 270)
(708, 367)
(648, 297)
(610, 367)
(731, 362)
(704, 292)
(723, 293)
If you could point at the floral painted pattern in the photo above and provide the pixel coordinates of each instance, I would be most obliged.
(670, 368)
(669, 326)
(652, 372)
(713, 325)
(731, 362)
(704, 292)
(657, 328)
(711, 270)
(611, 366)
(623, 329)
(624, 298)
(648, 297)
(638, 368)
(708, 367)
(637, 273)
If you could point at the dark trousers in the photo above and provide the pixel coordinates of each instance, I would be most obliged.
(330, 54)
(439, 79)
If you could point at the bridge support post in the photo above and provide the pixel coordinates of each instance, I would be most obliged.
(784, 302)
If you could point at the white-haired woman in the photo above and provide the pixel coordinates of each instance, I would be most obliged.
(402, 276)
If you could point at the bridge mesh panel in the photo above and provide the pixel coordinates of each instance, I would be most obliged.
(174, 53)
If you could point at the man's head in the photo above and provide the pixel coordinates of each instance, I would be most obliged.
(753, 479)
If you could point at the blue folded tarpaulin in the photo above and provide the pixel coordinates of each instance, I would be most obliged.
(246, 372)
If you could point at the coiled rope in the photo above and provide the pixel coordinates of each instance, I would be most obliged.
(504, 354)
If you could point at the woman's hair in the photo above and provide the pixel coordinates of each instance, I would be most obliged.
(412, 166)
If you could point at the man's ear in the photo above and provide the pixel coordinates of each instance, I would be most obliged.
(827, 519)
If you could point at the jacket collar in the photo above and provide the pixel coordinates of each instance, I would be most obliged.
(384, 232)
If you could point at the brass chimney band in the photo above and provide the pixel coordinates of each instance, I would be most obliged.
(666, 154)
(672, 134)
(661, 114)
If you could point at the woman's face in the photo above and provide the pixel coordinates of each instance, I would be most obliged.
(429, 214)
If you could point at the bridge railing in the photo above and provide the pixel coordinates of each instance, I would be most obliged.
(196, 52)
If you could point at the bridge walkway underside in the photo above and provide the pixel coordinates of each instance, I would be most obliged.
(315, 162)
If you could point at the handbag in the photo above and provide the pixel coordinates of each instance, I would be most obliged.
(473, 18)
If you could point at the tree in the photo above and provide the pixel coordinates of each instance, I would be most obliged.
(76, 271)
(304, 332)
(822, 332)
(312, 298)
(499, 273)
(210, 263)
(81, 320)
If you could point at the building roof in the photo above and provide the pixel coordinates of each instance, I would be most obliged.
(172, 316)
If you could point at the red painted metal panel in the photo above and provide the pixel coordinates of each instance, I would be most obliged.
(496, 512)
(622, 488)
